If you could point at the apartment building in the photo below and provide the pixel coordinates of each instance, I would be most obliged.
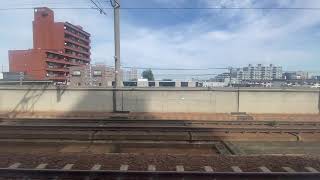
(57, 46)
(92, 75)
(130, 74)
(259, 72)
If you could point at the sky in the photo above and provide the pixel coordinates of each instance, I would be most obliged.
(183, 38)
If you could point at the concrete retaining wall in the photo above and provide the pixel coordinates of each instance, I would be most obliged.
(279, 102)
(34, 99)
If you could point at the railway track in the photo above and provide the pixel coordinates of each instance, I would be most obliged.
(151, 172)
(168, 122)
(71, 133)
(85, 129)
(161, 125)
(163, 128)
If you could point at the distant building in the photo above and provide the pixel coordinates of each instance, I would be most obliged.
(130, 74)
(91, 75)
(249, 75)
(79, 76)
(296, 75)
(259, 72)
(215, 84)
(143, 83)
(222, 77)
(13, 76)
(57, 46)
(316, 78)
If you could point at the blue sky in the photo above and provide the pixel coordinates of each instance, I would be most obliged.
(184, 38)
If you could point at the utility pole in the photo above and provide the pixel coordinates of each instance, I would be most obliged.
(230, 78)
(116, 9)
(117, 80)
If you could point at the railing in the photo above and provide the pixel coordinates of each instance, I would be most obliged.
(78, 50)
(77, 43)
(77, 36)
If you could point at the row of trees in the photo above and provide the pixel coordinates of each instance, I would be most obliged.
(148, 74)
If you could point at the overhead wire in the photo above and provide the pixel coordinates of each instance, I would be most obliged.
(174, 8)
(98, 7)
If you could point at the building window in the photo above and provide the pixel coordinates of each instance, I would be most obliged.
(79, 84)
(76, 73)
(167, 84)
(100, 84)
(152, 84)
(44, 14)
(184, 84)
(97, 73)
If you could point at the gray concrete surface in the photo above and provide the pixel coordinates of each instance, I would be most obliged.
(262, 147)
(52, 99)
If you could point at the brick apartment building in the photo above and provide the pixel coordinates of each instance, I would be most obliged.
(57, 46)
(92, 75)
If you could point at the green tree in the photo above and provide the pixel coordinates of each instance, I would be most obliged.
(147, 74)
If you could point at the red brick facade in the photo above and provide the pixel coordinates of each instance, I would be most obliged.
(56, 47)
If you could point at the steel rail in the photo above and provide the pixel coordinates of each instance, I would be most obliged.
(36, 173)
(185, 122)
(159, 128)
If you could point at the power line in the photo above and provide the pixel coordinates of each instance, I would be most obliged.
(176, 69)
(98, 7)
(186, 74)
(174, 8)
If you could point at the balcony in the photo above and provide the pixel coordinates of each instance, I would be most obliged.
(68, 55)
(69, 25)
(77, 57)
(77, 43)
(62, 61)
(76, 40)
(57, 78)
(76, 36)
(59, 69)
(77, 50)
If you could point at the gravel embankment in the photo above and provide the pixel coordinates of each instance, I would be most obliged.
(161, 161)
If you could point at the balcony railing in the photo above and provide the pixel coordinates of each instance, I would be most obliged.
(77, 57)
(69, 56)
(57, 69)
(63, 61)
(61, 78)
(77, 50)
(76, 36)
(71, 26)
(77, 43)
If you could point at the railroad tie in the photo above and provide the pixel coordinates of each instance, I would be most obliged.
(14, 166)
(311, 169)
(236, 169)
(289, 169)
(151, 168)
(208, 169)
(179, 168)
(68, 167)
(124, 167)
(42, 166)
(264, 169)
(96, 167)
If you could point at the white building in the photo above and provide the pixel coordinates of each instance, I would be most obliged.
(130, 74)
(259, 72)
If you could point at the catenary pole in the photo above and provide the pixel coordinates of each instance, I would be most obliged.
(117, 78)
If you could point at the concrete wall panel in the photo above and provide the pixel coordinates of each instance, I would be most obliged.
(156, 100)
(225, 101)
(279, 102)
